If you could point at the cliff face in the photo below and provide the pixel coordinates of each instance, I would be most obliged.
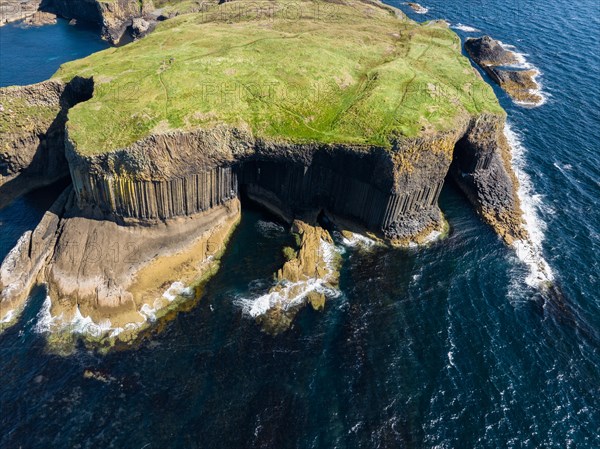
(156, 180)
(32, 133)
(161, 210)
(392, 192)
(114, 16)
(481, 167)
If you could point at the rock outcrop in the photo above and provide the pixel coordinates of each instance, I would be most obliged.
(154, 199)
(500, 64)
(19, 270)
(308, 276)
(40, 18)
(12, 11)
(113, 16)
(481, 167)
(32, 133)
(416, 7)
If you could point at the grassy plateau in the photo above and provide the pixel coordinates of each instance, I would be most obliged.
(353, 72)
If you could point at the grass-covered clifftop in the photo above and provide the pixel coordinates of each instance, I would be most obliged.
(352, 73)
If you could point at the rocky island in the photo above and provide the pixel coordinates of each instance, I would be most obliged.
(354, 112)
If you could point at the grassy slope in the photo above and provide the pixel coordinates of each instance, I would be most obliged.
(345, 74)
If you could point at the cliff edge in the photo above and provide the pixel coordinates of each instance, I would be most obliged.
(352, 111)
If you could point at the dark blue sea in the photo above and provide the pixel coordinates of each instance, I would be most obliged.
(449, 346)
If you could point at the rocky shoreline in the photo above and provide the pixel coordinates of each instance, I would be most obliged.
(145, 223)
(502, 66)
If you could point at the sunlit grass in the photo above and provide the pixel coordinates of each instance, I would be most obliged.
(353, 74)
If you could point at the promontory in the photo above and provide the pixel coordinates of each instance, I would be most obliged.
(346, 109)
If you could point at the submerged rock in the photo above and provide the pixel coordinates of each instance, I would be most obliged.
(416, 7)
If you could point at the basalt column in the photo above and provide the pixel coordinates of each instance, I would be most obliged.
(125, 197)
(371, 187)
(481, 167)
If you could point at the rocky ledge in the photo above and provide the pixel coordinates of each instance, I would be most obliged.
(157, 174)
(13, 11)
(501, 65)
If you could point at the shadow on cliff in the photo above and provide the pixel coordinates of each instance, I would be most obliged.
(49, 163)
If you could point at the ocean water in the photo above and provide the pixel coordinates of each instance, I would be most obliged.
(441, 347)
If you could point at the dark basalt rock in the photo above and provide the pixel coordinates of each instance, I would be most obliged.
(491, 56)
(486, 51)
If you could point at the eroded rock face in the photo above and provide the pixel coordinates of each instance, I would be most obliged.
(19, 270)
(111, 272)
(113, 16)
(108, 281)
(40, 18)
(391, 192)
(482, 169)
(18, 10)
(32, 133)
(499, 64)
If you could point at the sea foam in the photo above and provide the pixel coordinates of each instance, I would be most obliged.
(465, 28)
(529, 251)
(85, 325)
(524, 64)
(293, 294)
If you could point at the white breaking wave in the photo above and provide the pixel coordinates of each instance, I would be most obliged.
(85, 325)
(176, 289)
(418, 9)
(8, 317)
(293, 294)
(465, 28)
(356, 240)
(524, 64)
(530, 251)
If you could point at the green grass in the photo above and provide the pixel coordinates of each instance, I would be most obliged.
(21, 116)
(350, 74)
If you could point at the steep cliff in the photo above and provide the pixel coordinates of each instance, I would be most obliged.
(482, 169)
(32, 133)
(113, 16)
(360, 116)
